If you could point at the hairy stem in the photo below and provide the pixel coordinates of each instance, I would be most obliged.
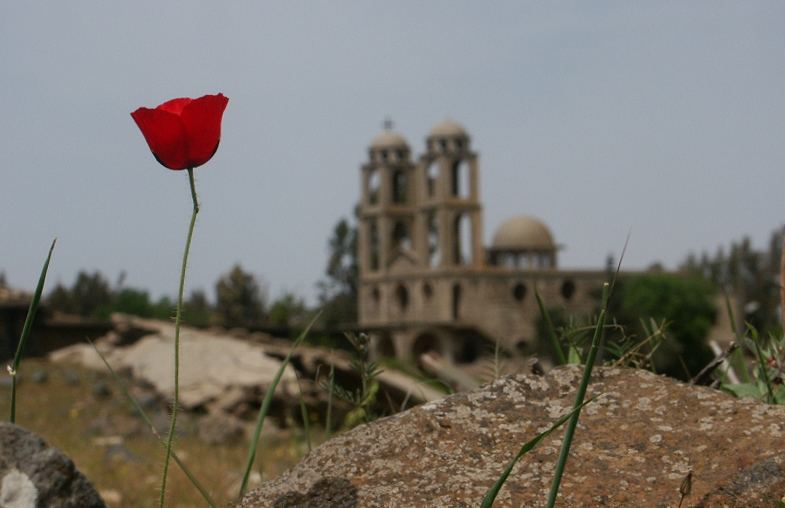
(177, 322)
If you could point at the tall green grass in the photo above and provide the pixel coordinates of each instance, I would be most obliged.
(268, 399)
(13, 369)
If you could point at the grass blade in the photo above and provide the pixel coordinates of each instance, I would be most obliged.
(549, 327)
(737, 359)
(304, 415)
(568, 434)
(268, 399)
(119, 382)
(762, 365)
(26, 329)
(490, 496)
(329, 417)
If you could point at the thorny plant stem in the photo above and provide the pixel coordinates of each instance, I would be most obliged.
(177, 322)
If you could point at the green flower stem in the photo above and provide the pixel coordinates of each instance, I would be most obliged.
(177, 322)
(568, 434)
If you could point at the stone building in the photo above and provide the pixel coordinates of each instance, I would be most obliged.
(426, 282)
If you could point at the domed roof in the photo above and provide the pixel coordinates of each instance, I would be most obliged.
(523, 233)
(448, 129)
(389, 139)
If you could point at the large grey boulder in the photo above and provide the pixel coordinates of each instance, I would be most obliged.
(34, 474)
(634, 446)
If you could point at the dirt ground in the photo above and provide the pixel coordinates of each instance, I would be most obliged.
(85, 415)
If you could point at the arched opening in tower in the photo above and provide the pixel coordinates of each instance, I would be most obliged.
(434, 252)
(401, 239)
(456, 301)
(373, 239)
(399, 186)
(373, 187)
(461, 187)
(462, 239)
(431, 178)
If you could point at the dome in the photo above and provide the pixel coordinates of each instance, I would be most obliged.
(389, 139)
(448, 129)
(523, 233)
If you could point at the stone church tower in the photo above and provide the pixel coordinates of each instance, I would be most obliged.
(425, 280)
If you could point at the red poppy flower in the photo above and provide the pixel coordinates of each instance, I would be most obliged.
(183, 133)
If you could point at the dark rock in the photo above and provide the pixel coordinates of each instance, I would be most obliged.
(40, 376)
(101, 390)
(634, 446)
(32, 473)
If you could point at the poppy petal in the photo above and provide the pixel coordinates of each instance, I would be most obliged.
(165, 136)
(201, 119)
(175, 105)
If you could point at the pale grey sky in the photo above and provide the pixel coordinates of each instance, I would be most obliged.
(664, 117)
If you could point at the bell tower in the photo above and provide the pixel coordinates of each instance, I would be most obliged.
(388, 204)
(450, 211)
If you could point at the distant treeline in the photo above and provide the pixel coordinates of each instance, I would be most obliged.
(238, 301)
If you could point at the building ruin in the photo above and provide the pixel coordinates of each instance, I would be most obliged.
(426, 282)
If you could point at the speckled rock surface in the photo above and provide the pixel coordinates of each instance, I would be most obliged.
(33, 474)
(633, 447)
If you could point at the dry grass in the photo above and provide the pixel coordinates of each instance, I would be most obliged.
(85, 426)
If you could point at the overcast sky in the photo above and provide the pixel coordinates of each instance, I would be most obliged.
(666, 118)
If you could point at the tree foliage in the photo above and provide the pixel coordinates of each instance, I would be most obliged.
(338, 292)
(288, 310)
(239, 300)
(684, 302)
(750, 275)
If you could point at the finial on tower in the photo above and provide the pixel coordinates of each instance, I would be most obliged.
(387, 124)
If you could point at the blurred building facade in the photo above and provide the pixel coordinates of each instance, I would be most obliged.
(426, 281)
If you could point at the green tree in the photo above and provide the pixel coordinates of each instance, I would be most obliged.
(338, 292)
(132, 301)
(59, 299)
(90, 296)
(749, 274)
(198, 311)
(684, 302)
(239, 301)
(288, 310)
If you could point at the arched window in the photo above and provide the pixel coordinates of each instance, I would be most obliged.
(401, 238)
(462, 240)
(434, 250)
(373, 187)
(374, 246)
(456, 301)
(399, 187)
(427, 291)
(432, 178)
(460, 179)
(519, 291)
(567, 289)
